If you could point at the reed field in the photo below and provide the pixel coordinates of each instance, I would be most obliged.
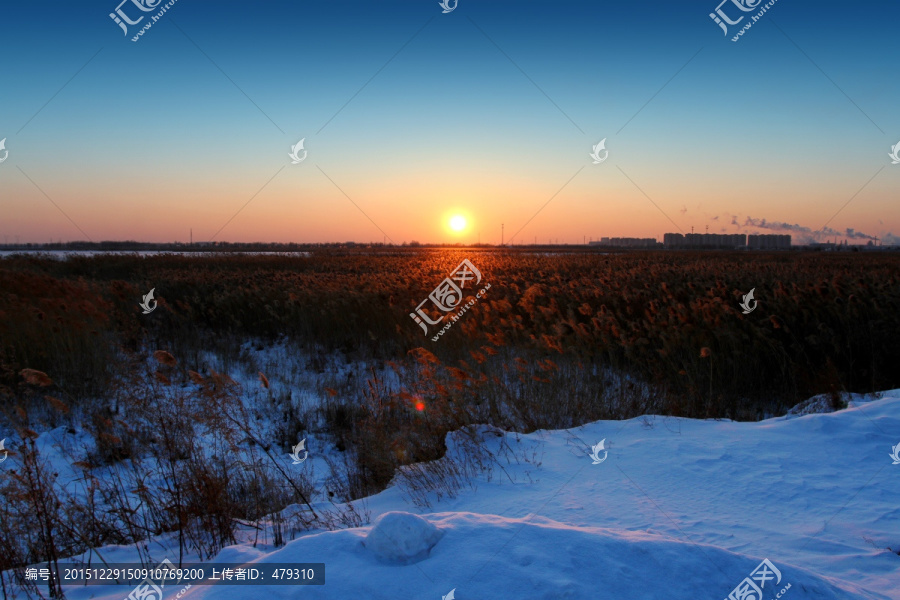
(548, 325)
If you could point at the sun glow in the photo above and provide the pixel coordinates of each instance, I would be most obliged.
(457, 223)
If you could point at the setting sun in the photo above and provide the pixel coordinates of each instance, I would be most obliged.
(458, 223)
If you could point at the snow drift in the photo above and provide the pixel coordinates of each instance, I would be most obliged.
(681, 509)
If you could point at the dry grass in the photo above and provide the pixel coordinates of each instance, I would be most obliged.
(824, 322)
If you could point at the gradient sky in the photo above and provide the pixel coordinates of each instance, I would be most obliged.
(489, 111)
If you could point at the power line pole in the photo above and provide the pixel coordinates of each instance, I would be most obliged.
(502, 234)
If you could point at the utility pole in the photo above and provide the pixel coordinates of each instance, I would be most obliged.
(192, 236)
(502, 233)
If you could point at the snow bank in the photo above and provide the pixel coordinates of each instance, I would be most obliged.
(680, 509)
(401, 537)
(488, 556)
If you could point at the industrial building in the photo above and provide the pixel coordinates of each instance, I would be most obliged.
(627, 242)
(769, 242)
(704, 240)
(726, 241)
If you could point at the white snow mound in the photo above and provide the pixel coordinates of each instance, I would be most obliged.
(402, 537)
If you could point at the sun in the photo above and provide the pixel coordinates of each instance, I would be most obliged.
(457, 223)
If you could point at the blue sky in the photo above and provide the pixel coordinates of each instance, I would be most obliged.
(410, 115)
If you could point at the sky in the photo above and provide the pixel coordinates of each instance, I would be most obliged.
(410, 116)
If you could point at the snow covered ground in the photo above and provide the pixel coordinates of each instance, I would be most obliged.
(678, 509)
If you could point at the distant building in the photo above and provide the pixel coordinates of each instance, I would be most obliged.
(726, 241)
(704, 240)
(821, 245)
(769, 242)
(626, 242)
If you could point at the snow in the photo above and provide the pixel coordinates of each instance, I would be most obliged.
(680, 509)
(822, 403)
(401, 537)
